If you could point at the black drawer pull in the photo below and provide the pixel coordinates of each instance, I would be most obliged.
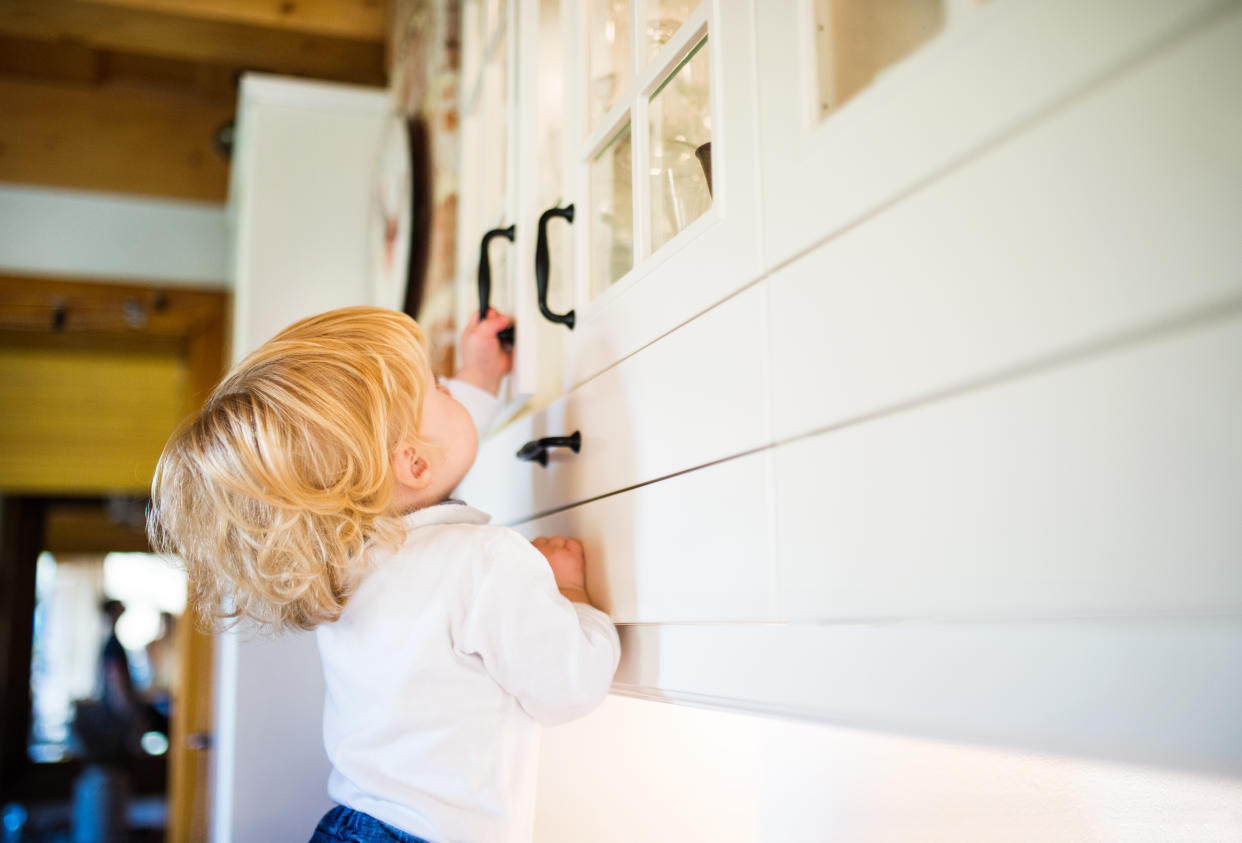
(485, 280)
(537, 449)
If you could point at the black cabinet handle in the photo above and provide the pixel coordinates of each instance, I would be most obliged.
(485, 280)
(542, 265)
(537, 449)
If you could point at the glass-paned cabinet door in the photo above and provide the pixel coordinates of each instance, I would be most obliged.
(487, 203)
(865, 100)
(659, 146)
(542, 183)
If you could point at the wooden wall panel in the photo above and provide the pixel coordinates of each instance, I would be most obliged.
(111, 138)
(107, 26)
(75, 421)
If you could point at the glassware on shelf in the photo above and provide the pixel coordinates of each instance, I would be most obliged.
(608, 56)
(664, 18)
(612, 213)
(680, 170)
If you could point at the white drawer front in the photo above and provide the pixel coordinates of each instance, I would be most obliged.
(695, 547)
(695, 396)
(1119, 212)
(1112, 487)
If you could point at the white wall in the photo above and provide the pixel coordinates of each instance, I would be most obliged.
(68, 233)
(298, 204)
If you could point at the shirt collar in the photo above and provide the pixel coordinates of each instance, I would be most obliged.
(448, 512)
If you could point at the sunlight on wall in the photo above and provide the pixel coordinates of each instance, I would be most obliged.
(640, 770)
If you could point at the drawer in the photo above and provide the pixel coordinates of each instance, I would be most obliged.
(695, 547)
(1108, 488)
(1116, 213)
(695, 396)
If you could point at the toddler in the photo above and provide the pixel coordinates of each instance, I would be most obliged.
(313, 491)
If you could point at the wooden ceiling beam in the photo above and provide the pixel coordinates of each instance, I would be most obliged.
(360, 20)
(123, 27)
(112, 138)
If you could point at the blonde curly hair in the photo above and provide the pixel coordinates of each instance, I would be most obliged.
(272, 493)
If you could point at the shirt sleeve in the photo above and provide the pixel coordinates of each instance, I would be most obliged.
(556, 657)
(479, 403)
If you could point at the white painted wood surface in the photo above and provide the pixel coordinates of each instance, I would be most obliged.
(1159, 691)
(1109, 488)
(305, 158)
(694, 397)
(1117, 213)
(639, 771)
(695, 547)
(1002, 68)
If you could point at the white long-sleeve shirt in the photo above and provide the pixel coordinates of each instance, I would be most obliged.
(445, 660)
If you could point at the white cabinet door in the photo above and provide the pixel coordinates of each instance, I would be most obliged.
(489, 208)
(662, 147)
(694, 397)
(640, 118)
(864, 103)
(695, 547)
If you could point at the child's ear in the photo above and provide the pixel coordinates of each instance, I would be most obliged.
(410, 468)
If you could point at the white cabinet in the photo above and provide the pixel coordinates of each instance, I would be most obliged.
(865, 103)
(960, 375)
(638, 116)
(1116, 213)
(696, 396)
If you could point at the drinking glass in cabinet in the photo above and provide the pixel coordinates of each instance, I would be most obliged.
(858, 40)
(612, 213)
(664, 18)
(608, 55)
(681, 133)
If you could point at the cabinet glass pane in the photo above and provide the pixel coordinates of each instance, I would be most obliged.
(496, 136)
(551, 84)
(472, 43)
(664, 18)
(492, 15)
(681, 133)
(856, 40)
(608, 56)
(612, 213)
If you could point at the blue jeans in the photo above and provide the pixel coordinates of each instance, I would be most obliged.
(345, 825)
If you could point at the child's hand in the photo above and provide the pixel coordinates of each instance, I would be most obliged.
(568, 565)
(483, 361)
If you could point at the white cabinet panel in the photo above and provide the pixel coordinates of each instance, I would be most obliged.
(696, 396)
(695, 547)
(713, 256)
(1119, 212)
(988, 74)
(1160, 691)
(1109, 488)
